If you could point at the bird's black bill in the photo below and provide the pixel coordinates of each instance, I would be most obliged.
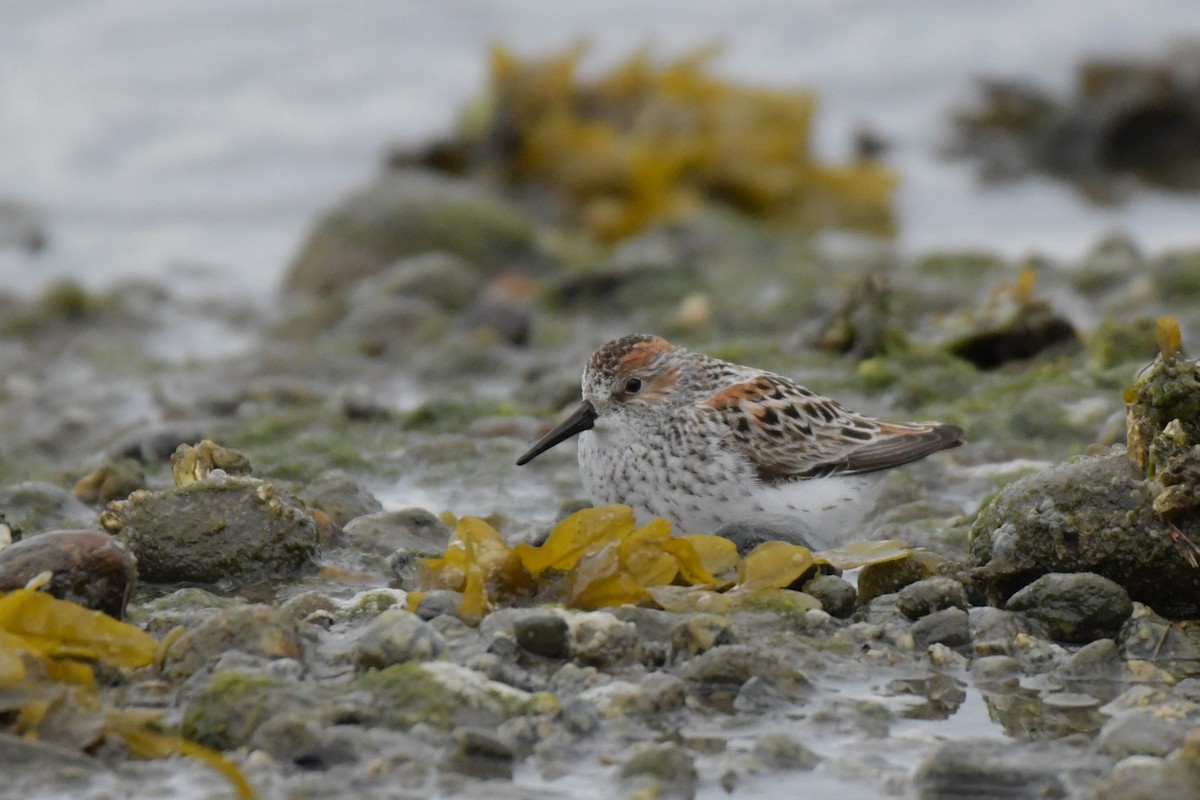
(581, 420)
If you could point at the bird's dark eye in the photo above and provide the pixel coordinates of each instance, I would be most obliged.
(633, 386)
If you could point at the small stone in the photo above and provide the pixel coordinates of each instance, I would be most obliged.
(89, 568)
(781, 751)
(394, 637)
(414, 530)
(699, 633)
(996, 670)
(1142, 731)
(932, 594)
(543, 634)
(892, 576)
(339, 496)
(256, 630)
(481, 754)
(660, 770)
(948, 626)
(599, 639)
(750, 533)
(838, 598)
(439, 602)
(1075, 607)
(578, 716)
(1098, 659)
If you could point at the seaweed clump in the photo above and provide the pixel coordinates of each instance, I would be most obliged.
(644, 143)
(598, 557)
(48, 685)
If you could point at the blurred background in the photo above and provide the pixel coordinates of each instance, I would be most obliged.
(196, 141)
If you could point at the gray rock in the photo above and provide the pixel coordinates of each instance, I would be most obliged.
(781, 751)
(339, 496)
(838, 598)
(442, 278)
(394, 637)
(1144, 732)
(413, 530)
(36, 507)
(948, 626)
(996, 670)
(1075, 607)
(219, 529)
(1099, 659)
(988, 770)
(480, 754)
(256, 630)
(932, 594)
(409, 212)
(699, 633)
(750, 533)
(1089, 515)
(660, 770)
(438, 603)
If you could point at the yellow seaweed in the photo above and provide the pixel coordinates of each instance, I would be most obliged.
(773, 565)
(860, 554)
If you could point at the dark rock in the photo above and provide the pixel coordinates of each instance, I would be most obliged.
(232, 529)
(948, 626)
(838, 598)
(932, 594)
(750, 533)
(90, 568)
(543, 634)
(1076, 607)
(256, 629)
(892, 576)
(1034, 327)
(339, 496)
(112, 481)
(35, 507)
(403, 213)
(396, 636)
(1089, 515)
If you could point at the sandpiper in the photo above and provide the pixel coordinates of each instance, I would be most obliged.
(703, 442)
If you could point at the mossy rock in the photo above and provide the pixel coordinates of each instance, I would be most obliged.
(1089, 515)
(405, 213)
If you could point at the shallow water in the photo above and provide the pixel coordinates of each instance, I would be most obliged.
(195, 141)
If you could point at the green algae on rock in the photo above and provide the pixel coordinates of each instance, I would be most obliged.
(1088, 515)
(229, 529)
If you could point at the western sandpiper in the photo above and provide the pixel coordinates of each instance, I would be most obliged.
(703, 442)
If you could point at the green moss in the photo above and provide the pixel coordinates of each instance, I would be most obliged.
(230, 707)
(409, 695)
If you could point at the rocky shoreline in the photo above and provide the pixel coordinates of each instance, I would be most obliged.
(268, 508)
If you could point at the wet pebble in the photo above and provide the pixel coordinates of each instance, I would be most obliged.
(339, 496)
(1143, 731)
(438, 603)
(34, 507)
(396, 636)
(892, 576)
(600, 639)
(948, 626)
(544, 634)
(996, 670)
(932, 594)
(838, 598)
(1098, 659)
(750, 533)
(1075, 607)
(660, 770)
(481, 754)
(781, 751)
(253, 629)
(89, 568)
(415, 531)
(111, 481)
